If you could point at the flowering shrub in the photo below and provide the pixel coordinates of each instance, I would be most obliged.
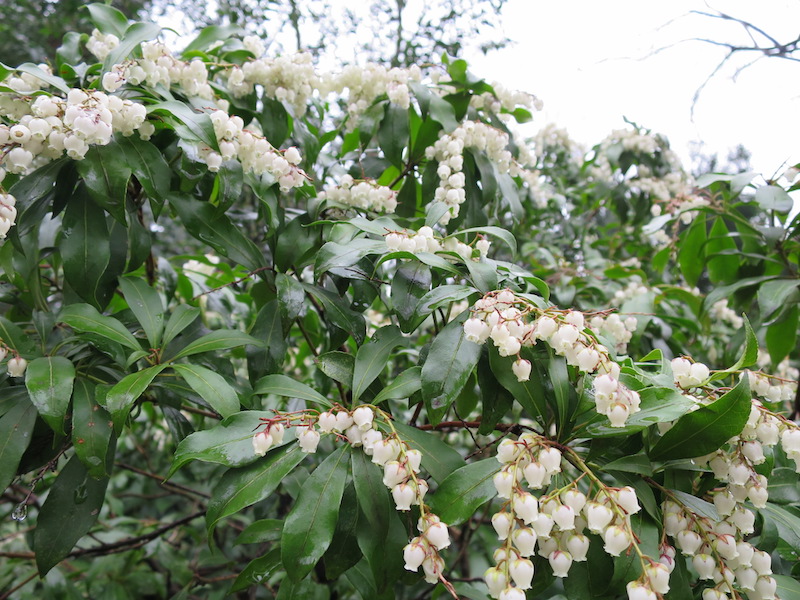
(384, 346)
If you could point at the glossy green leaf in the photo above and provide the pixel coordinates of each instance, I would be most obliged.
(86, 250)
(334, 255)
(106, 173)
(49, 381)
(44, 76)
(210, 35)
(530, 394)
(291, 295)
(91, 429)
(438, 458)
(229, 443)
(403, 386)
(309, 526)
(183, 316)
(748, 357)
(258, 570)
(787, 523)
(343, 552)
(121, 397)
(282, 385)
(774, 294)
(464, 491)
(146, 304)
(707, 428)
(222, 339)
(373, 497)
(447, 367)
(16, 428)
(691, 253)
(721, 267)
(439, 297)
(189, 124)
(68, 513)
(135, 34)
(338, 366)
(393, 134)
(411, 282)
(373, 356)
(781, 336)
(788, 587)
(697, 505)
(211, 387)
(149, 166)
(87, 319)
(107, 19)
(783, 486)
(635, 463)
(258, 532)
(243, 487)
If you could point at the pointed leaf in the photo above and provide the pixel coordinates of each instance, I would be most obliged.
(86, 318)
(16, 429)
(222, 339)
(309, 526)
(49, 381)
(91, 429)
(372, 358)
(464, 491)
(211, 387)
(146, 304)
(183, 316)
(121, 397)
(282, 385)
(403, 386)
(438, 458)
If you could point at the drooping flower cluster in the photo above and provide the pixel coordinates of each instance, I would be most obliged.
(613, 327)
(426, 240)
(365, 195)
(553, 525)
(718, 551)
(513, 323)
(401, 471)
(101, 44)
(51, 127)
(291, 79)
(505, 99)
(689, 374)
(448, 151)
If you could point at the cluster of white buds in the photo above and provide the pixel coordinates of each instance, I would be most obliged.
(101, 44)
(718, 551)
(254, 152)
(54, 126)
(426, 240)
(772, 389)
(365, 195)
(688, 374)
(8, 212)
(448, 151)
(291, 79)
(365, 84)
(505, 99)
(634, 289)
(513, 323)
(616, 329)
(159, 66)
(554, 525)
(721, 312)
(16, 364)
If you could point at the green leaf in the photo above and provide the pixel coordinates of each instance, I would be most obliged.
(243, 487)
(411, 282)
(343, 552)
(282, 385)
(635, 463)
(211, 387)
(135, 34)
(464, 491)
(773, 295)
(258, 532)
(121, 397)
(440, 296)
(49, 381)
(402, 386)
(91, 429)
(438, 458)
(783, 486)
(772, 197)
(309, 526)
(447, 367)
(42, 75)
(333, 255)
(530, 394)
(229, 443)
(212, 227)
(697, 505)
(372, 357)
(708, 428)
(749, 354)
(222, 339)
(276, 122)
(787, 523)
(183, 316)
(149, 166)
(504, 235)
(146, 304)
(258, 570)
(16, 428)
(788, 587)
(189, 124)
(721, 267)
(373, 497)
(781, 336)
(393, 134)
(86, 250)
(106, 173)
(87, 319)
(71, 508)
(691, 256)
(107, 19)
(338, 366)
(291, 295)
(210, 35)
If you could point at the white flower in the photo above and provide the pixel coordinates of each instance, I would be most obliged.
(363, 416)
(309, 440)
(403, 495)
(616, 540)
(521, 571)
(438, 536)
(522, 369)
(16, 366)
(560, 563)
(413, 554)
(262, 442)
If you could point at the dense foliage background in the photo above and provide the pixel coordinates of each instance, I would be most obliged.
(235, 285)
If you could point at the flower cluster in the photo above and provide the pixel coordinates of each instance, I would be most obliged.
(101, 44)
(365, 195)
(254, 152)
(401, 471)
(614, 328)
(689, 374)
(448, 151)
(426, 240)
(291, 79)
(513, 323)
(718, 551)
(555, 523)
(504, 99)
(54, 126)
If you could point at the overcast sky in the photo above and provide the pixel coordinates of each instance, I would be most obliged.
(593, 63)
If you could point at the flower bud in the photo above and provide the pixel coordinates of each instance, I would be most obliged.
(704, 564)
(414, 553)
(560, 562)
(525, 541)
(502, 524)
(521, 571)
(16, 366)
(616, 540)
(362, 417)
(503, 483)
(309, 440)
(262, 442)
(496, 581)
(438, 536)
(522, 369)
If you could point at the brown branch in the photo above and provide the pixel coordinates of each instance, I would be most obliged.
(240, 280)
(8, 594)
(176, 486)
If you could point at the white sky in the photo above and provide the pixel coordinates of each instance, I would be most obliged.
(591, 64)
